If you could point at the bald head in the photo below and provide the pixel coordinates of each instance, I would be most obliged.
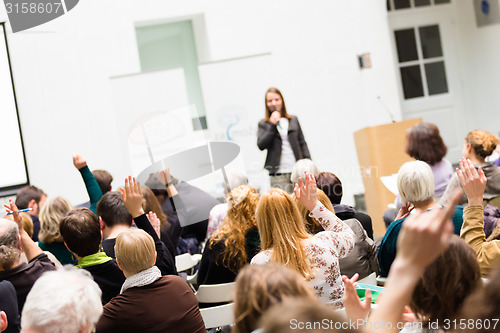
(10, 249)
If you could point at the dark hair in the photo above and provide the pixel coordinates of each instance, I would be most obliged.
(484, 304)
(424, 143)
(446, 283)
(26, 194)
(284, 114)
(81, 231)
(331, 185)
(104, 179)
(113, 211)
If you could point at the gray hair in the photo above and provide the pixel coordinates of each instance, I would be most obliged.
(301, 166)
(63, 301)
(235, 178)
(9, 243)
(415, 182)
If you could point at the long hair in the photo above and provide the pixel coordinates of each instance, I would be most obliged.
(239, 220)
(446, 283)
(281, 230)
(312, 225)
(51, 216)
(151, 204)
(284, 114)
(258, 287)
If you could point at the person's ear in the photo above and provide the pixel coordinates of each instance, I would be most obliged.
(3, 321)
(101, 222)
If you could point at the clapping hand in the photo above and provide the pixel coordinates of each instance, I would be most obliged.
(132, 196)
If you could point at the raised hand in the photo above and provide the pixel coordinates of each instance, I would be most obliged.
(132, 196)
(164, 176)
(79, 161)
(473, 182)
(306, 192)
(155, 222)
(11, 207)
(354, 308)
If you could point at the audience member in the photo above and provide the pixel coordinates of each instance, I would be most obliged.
(93, 188)
(147, 301)
(187, 208)
(50, 238)
(13, 239)
(258, 287)
(235, 243)
(34, 198)
(284, 239)
(8, 305)
(478, 145)
(424, 143)
(82, 235)
(416, 187)
(424, 237)
(332, 186)
(474, 183)
(281, 135)
(63, 301)
(114, 218)
(444, 286)
(104, 179)
(363, 258)
(235, 178)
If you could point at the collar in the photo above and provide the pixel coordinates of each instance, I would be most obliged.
(93, 259)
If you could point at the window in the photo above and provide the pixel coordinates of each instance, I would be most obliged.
(172, 45)
(421, 61)
(408, 4)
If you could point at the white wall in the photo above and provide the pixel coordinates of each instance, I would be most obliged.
(480, 54)
(63, 70)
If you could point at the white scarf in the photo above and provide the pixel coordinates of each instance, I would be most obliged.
(142, 278)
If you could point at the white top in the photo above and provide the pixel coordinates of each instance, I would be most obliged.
(323, 251)
(287, 159)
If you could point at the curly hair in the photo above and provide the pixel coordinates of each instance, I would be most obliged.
(483, 142)
(239, 220)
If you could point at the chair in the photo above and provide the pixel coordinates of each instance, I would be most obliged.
(184, 262)
(216, 316)
(215, 293)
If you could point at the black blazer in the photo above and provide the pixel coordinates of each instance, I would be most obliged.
(269, 138)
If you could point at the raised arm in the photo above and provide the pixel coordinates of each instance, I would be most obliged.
(424, 236)
(28, 245)
(93, 188)
(132, 197)
(474, 182)
(307, 194)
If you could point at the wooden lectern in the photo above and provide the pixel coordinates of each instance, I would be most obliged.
(381, 152)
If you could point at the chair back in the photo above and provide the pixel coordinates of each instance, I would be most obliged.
(215, 293)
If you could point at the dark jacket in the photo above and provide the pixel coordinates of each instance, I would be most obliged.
(269, 138)
(345, 212)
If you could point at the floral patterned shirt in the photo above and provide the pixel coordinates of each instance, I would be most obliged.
(323, 251)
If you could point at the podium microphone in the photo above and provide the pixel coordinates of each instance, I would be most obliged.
(391, 116)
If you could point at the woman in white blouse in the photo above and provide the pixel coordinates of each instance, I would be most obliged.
(284, 239)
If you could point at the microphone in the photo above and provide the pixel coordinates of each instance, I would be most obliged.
(391, 116)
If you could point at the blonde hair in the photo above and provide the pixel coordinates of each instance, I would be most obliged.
(483, 143)
(282, 231)
(50, 217)
(312, 225)
(239, 220)
(135, 251)
(258, 287)
(27, 222)
(415, 182)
